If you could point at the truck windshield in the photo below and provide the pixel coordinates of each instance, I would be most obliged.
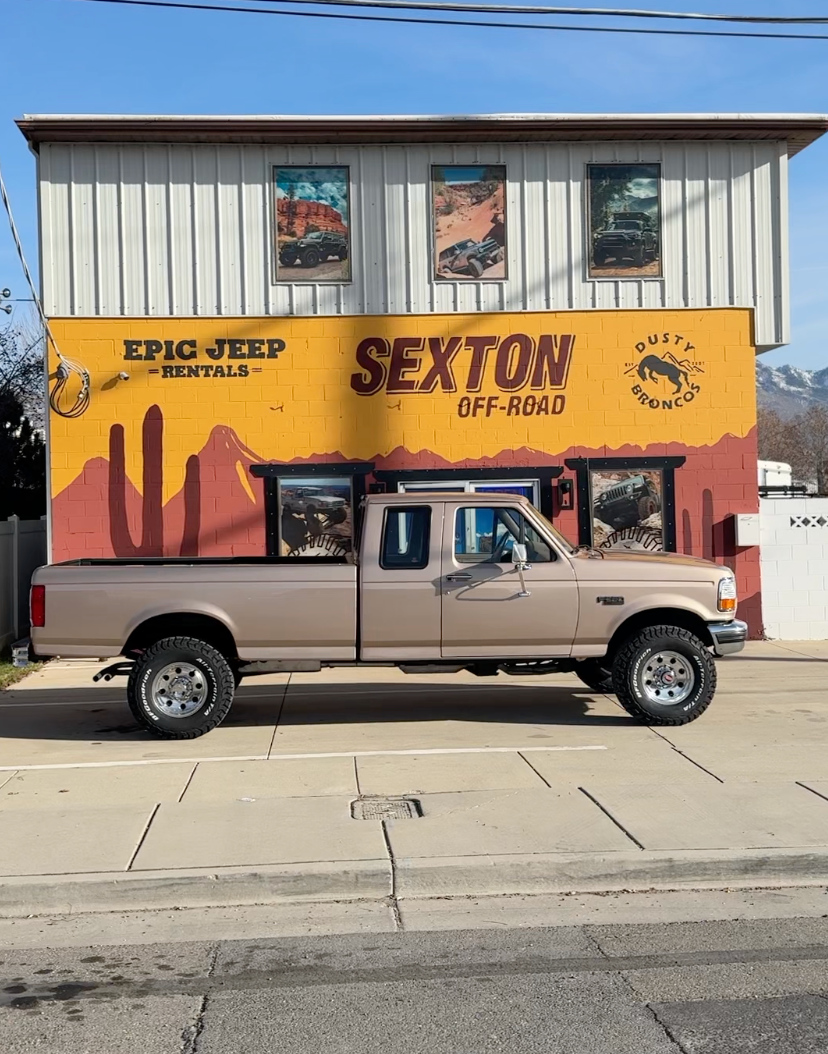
(556, 534)
(624, 225)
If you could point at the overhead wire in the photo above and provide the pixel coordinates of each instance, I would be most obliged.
(66, 367)
(476, 23)
(581, 12)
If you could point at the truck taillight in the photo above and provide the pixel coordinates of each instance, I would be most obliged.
(37, 606)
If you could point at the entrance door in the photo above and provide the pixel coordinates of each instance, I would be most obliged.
(484, 615)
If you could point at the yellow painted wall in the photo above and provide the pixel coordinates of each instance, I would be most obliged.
(301, 404)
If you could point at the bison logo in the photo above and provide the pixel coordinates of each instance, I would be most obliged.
(659, 372)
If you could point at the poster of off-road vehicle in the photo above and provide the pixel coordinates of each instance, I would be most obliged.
(315, 516)
(624, 221)
(469, 204)
(627, 509)
(313, 239)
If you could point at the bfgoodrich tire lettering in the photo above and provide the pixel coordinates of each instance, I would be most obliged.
(209, 664)
(641, 653)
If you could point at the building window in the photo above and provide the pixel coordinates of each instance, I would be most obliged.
(627, 508)
(315, 516)
(528, 488)
(312, 236)
(309, 509)
(469, 222)
(624, 221)
(486, 535)
(627, 503)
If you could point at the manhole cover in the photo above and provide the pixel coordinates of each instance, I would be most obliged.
(386, 809)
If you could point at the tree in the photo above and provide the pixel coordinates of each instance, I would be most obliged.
(22, 413)
(21, 367)
(22, 463)
(801, 441)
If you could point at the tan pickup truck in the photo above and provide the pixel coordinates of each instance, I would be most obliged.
(458, 581)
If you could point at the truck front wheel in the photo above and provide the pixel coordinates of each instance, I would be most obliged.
(180, 688)
(664, 675)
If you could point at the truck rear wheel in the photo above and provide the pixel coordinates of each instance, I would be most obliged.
(180, 688)
(664, 675)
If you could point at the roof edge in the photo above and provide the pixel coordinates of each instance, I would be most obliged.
(798, 130)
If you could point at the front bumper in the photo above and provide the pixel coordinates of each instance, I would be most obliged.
(728, 637)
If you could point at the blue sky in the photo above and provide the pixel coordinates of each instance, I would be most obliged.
(67, 56)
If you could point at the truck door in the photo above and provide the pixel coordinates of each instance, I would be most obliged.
(484, 615)
(400, 581)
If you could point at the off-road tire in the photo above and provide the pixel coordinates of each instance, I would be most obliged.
(647, 507)
(642, 646)
(595, 675)
(311, 258)
(475, 268)
(214, 668)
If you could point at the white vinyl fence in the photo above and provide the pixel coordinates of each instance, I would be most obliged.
(794, 559)
(22, 549)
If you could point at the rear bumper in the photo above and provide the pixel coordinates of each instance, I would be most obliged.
(728, 637)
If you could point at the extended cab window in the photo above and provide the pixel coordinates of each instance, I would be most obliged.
(405, 538)
(482, 534)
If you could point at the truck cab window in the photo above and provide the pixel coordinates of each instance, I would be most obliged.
(486, 535)
(405, 538)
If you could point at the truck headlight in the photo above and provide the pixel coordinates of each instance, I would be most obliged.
(727, 593)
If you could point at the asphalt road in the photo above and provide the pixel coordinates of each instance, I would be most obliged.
(696, 988)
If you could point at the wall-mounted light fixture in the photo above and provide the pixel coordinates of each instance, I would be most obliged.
(566, 494)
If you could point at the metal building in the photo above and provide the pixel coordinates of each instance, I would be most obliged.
(276, 313)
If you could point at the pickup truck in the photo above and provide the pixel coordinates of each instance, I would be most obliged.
(478, 582)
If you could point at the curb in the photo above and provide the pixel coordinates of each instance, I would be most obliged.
(640, 871)
(26, 896)
(475, 876)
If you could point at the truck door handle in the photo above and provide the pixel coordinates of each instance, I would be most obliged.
(459, 576)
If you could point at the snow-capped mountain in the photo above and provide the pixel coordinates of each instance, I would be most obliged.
(789, 390)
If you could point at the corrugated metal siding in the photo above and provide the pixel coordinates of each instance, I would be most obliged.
(186, 230)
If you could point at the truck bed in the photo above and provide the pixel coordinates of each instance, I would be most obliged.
(273, 608)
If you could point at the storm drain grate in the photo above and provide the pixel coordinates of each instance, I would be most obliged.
(386, 809)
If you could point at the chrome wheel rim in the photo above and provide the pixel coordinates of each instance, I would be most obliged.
(667, 678)
(179, 690)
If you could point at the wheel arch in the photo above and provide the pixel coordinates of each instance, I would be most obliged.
(198, 624)
(662, 616)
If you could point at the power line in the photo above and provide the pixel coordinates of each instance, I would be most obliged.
(411, 20)
(607, 12)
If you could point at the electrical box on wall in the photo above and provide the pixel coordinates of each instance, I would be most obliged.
(746, 528)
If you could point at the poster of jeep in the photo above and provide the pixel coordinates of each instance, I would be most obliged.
(315, 517)
(313, 240)
(469, 204)
(627, 510)
(624, 221)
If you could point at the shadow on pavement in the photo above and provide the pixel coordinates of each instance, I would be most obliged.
(102, 715)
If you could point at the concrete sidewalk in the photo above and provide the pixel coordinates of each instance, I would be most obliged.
(525, 784)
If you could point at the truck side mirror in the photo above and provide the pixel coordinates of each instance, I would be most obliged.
(519, 559)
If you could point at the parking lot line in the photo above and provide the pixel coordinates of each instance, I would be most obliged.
(296, 757)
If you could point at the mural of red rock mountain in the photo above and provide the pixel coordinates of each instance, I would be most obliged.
(220, 509)
(295, 216)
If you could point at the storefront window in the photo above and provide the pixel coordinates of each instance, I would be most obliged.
(627, 509)
(315, 516)
(527, 488)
